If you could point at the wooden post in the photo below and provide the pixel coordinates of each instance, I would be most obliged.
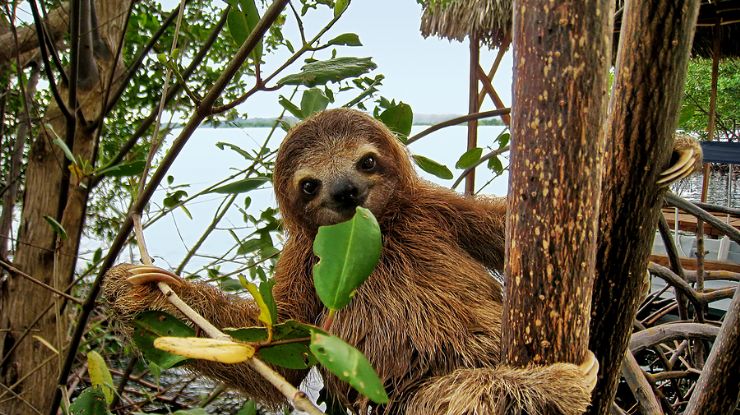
(654, 47)
(561, 60)
(716, 50)
(472, 107)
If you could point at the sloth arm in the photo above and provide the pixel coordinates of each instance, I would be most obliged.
(560, 388)
(223, 310)
(478, 223)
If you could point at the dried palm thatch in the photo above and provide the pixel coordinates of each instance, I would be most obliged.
(489, 20)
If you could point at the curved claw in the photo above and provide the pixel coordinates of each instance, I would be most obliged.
(145, 274)
(590, 370)
(683, 167)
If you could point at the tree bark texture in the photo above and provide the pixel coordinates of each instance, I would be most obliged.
(57, 24)
(561, 60)
(718, 389)
(643, 111)
(40, 252)
(14, 172)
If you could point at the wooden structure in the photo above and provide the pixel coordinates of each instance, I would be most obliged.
(483, 22)
(488, 23)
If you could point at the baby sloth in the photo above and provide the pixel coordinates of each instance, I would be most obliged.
(429, 316)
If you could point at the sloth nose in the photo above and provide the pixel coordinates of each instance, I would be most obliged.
(346, 194)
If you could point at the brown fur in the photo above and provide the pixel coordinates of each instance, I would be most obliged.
(428, 318)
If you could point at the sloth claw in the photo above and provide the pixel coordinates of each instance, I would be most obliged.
(590, 370)
(145, 274)
(682, 168)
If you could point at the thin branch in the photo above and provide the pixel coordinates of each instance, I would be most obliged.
(683, 204)
(270, 15)
(482, 160)
(638, 383)
(668, 332)
(15, 271)
(147, 122)
(456, 121)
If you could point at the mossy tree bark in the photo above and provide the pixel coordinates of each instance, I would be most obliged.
(561, 61)
(643, 112)
(29, 368)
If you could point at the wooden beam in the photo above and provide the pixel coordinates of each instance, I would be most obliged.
(488, 88)
(473, 107)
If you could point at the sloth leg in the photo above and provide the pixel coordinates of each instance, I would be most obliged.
(561, 388)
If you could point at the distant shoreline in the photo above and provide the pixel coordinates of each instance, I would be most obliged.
(421, 119)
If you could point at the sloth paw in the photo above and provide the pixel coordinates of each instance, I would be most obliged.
(685, 160)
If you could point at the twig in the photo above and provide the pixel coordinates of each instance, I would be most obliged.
(482, 160)
(456, 121)
(639, 385)
(683, 204)
(13, 270)
(298, 399)
(667, 332)
(271, 14)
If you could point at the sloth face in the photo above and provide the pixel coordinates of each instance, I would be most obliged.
(333, 162)
(329, 184)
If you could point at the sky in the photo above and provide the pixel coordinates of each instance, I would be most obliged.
(429, 74)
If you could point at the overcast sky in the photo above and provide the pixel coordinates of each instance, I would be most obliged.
(429, 74)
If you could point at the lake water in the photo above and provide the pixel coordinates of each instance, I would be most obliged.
(201, 164)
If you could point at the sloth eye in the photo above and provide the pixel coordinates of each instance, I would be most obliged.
(367, 163)
(309, 187)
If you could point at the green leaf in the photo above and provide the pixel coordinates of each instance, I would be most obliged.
(265, 289)
(495, 164)
(131, 168)
(67, 152)
(346, 39)
(100, 375)
(339, 7)
(241, 20)
(469, 158)
(249, 408)
(503, 139)
(289, 355)
(221, 145)
(313, 101)
(191, 411)
(56, 227)
(240, 186)
(291, 107)
(687, 112)
(174, 198)
(150, 325)
(268, 311)
(90, 402)
(332, 70)
(250, 245)
(398, 119)
(433, 167)
(348, 253)
(349, 365)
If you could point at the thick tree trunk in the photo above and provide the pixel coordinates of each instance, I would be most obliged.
(14, 172)
(31, 369)
(561, 58)
(651, 66)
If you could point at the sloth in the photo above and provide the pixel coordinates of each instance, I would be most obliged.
(429, 316)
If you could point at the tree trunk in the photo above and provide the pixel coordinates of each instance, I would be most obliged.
(561, 58)
(718, 389)
(49, 193)
(14, 171)
(651, 66)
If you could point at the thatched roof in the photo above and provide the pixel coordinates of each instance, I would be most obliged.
(724, 12)
(490, 20)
